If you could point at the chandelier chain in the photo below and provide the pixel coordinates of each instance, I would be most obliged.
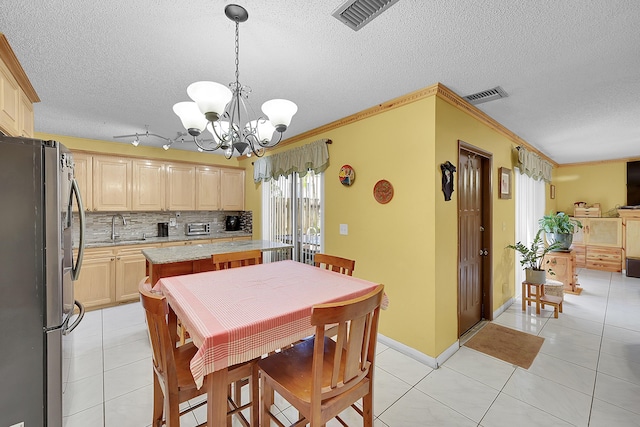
(237, 54)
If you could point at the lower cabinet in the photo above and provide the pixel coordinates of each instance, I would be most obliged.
(110, 275)
(130, 269)
(94, 287)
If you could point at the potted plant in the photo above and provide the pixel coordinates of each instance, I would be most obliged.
(559, 227)
(532, 258)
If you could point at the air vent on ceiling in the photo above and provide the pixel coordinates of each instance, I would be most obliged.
(355, 14)
(486, 95)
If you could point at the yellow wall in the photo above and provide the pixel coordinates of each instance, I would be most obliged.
(604, 183)
(113, 148)
(409, 244)
(392, 243)
(452, 125)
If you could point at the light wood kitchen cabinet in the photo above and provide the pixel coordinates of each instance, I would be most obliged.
(25, 116)
(16, 94)
(600, 240)
(130, 270)
(110, 275)
(111, 184)
(181, 187)
(83, 173)
(148, 186)
(94, 287)
(232, 189)
(207, 188)
(9, 102)
(631, 234)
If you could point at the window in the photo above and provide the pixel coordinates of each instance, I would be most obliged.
(292, 213)
(530, 205)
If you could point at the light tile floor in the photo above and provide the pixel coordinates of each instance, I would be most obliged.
(586, 374)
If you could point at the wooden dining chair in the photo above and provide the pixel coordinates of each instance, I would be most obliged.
(236, 259)
(321, 377)
(172, 380)
(334, 263)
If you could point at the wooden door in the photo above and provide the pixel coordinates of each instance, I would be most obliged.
(474, 234)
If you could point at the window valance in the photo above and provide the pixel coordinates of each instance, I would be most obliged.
(533, 165)
(313, 156)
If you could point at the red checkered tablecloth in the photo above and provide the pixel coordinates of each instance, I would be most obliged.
(242, 313)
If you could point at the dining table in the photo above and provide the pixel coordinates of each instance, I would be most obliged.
(239, 314)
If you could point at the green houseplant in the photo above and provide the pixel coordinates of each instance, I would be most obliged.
(532, 257)
(559, 227)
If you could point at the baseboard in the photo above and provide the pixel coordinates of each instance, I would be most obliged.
(503, 307)
(432, 362)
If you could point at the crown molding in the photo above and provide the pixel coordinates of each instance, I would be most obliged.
(439, 90)
(11, 61)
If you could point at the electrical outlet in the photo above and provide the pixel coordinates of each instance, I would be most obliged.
(172, 222)
(344, 229)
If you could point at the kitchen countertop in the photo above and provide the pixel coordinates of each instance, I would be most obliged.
(194, 252)
(153, 240)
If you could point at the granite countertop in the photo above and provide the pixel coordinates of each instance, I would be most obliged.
(204, 251)
(153, 240)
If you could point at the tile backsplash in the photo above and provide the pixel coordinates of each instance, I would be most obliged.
(98, 224)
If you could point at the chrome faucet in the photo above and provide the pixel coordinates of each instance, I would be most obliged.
(113, 225)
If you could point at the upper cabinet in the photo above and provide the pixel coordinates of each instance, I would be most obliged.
(232, 189)
(148, 187)
(111, 184)
(117, 184)
(16, 94)
(83, 173)
(181, 187)
(207, 188)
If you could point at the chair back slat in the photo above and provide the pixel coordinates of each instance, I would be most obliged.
(236, 259)
(334, 263)
(357, 321)
(156, 311)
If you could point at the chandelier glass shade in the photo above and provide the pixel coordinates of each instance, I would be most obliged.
(224, 111)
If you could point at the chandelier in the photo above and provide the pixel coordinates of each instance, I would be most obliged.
(222, 110)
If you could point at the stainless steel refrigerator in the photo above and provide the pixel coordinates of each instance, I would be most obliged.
(37, 269)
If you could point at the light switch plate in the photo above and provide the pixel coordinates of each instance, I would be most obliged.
(344, 229)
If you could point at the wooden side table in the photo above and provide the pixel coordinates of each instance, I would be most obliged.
(534, 292)
(563, 265)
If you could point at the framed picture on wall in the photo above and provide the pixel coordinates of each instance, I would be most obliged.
(505, 183)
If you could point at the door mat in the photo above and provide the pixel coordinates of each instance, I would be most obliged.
(515, 347)
(578, 291)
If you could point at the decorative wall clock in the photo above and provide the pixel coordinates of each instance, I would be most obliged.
(347, 175)
(383, 191)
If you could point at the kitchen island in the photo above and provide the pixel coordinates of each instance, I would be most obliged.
(177, 260)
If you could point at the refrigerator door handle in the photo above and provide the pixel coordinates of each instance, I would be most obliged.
(75, 271)
(69, 328)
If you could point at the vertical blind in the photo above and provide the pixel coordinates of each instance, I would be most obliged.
(292, 214)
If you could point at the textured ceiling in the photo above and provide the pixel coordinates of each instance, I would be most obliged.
(105, 68)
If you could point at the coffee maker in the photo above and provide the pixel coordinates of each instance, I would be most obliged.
(233, 223)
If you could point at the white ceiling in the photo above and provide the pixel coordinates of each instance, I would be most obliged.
(571, 68)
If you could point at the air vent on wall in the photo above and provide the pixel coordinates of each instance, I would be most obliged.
(355, 14)
(486, 95)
